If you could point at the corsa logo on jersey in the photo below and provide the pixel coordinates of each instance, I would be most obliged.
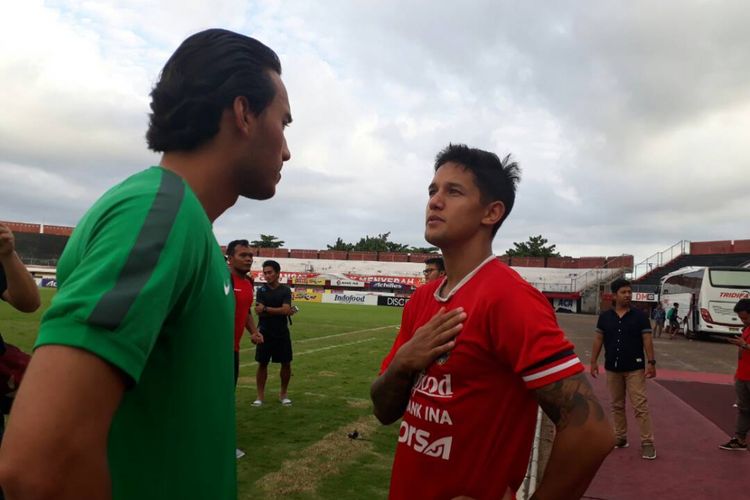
(419, 441)
(432, 386)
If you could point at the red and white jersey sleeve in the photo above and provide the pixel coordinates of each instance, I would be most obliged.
(529, 339)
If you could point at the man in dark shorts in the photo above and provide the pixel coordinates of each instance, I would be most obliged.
(273, 306)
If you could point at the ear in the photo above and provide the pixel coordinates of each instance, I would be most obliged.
(493, 213)
(243, 117)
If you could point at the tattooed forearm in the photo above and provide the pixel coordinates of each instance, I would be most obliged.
(570, 402)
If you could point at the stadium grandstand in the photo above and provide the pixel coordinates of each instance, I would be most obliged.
(570, 284)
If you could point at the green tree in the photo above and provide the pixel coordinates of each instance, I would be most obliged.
(341, 245)
(379, 243)
(424, 250)
(267, 241)
(535, 247)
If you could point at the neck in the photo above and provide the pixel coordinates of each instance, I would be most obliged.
(238, 272)
(206, 177)
(275, 284)
(462, 260)
(621, 307)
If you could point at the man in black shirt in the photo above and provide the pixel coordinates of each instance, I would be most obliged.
(273, 306)
(625, 332)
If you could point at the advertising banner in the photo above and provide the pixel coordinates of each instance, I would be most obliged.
(347, 283)
(392, 301)
(644, 297)
(389, 287)
(565, 305)
(285, 277)
(306, 296)
(310, 281)
(49, 282)
(404, 280)
(350, 298)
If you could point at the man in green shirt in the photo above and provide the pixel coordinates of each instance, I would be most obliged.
(129, 394)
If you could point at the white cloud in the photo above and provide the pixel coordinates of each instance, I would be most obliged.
(630, 129)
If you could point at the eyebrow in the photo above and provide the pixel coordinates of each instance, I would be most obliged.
(447, 184)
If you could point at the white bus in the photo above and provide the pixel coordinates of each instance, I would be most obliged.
(706, 298)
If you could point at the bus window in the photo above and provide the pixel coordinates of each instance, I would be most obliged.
(730, 278)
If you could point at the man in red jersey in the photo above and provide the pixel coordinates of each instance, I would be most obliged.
(240, 260)
(741, 380)
(476, 353)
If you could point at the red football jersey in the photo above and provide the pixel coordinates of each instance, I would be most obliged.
(469, 424)
(743, 364)
(243, 296)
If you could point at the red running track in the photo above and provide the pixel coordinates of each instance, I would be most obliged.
(691, 415)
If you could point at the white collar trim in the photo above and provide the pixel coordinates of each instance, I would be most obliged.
(460, 283)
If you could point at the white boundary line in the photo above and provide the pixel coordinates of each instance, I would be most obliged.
(331, 336)
(320, 349)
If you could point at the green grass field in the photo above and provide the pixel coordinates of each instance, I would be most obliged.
(302, 451)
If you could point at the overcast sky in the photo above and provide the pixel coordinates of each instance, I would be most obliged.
(627, 118)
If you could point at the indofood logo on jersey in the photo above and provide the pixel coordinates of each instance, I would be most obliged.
(432, 386)
(420, 440)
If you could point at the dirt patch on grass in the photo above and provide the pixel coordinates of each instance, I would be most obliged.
(325, 373)
(358, 403)
(322, 459)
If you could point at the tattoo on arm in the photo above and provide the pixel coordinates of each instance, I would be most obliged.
(570, 402)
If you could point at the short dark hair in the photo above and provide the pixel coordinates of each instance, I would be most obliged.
(437, 261)
(272, 263)
(496, 179)
(619, 283)
(200, 80)
(232, 246)
(742, 305)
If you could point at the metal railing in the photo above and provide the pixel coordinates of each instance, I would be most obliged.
(660, 259)
(580, 282)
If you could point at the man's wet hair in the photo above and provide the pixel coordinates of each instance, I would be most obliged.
(232, 246)
(496, 179)
(437, 261)
(742, 305)
(273, 264)
(202, 79)
(619, 283)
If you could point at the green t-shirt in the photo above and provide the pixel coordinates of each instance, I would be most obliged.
(143, 285)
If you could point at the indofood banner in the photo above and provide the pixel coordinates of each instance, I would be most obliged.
(392, 301)
(350, 298)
